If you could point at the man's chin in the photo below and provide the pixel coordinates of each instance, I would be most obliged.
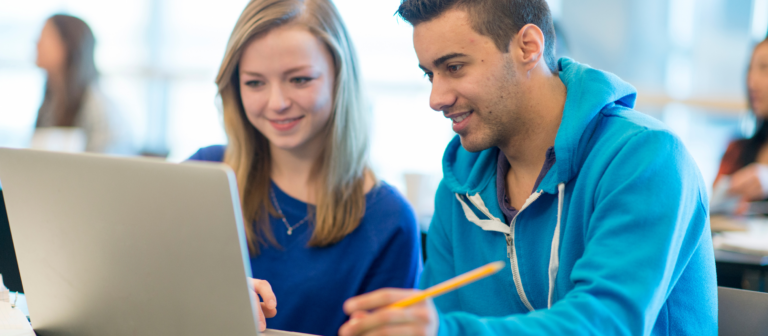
(473, 145)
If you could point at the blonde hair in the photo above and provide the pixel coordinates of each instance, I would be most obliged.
(342, 165)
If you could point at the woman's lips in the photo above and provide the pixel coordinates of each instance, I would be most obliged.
(285, 124)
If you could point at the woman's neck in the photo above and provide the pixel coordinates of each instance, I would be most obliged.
(56, 81)
(293, 171)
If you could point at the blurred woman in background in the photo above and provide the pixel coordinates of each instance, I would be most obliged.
(746, 160)
(72, 98)
(320, 227)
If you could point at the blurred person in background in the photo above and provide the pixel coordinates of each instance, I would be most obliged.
(744, 166)
(73, 102)
(320, 227)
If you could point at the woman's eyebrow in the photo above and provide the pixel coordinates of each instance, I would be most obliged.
(288, 72)
(252, 73)
(298, 68)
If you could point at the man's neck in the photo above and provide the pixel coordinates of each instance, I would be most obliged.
(526, 152)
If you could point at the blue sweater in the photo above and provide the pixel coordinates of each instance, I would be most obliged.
(311, 284)
(615, 241)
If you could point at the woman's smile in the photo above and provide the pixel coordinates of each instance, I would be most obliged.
(285, 124)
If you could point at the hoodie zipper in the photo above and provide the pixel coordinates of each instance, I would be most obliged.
(512, 253)
(509, 235)
(554, 260)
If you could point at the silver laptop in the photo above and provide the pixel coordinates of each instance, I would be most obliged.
(128, 246)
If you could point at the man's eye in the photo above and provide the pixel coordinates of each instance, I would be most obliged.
(301, 80)
(454, 68)
(428, 75)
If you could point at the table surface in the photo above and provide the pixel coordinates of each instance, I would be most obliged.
(270, 332)
(740, 258)
(21, 304)
(749, 228)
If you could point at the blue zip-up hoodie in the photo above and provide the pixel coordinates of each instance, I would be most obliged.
(615, 240)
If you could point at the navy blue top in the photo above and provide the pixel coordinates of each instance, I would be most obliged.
(502, 168)
(310, 283)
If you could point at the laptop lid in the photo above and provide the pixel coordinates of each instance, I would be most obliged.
(128, 246)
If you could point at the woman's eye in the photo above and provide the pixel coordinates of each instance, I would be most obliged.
(254, 83)
(301, 80)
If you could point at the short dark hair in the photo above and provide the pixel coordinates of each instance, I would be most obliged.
(497, 19)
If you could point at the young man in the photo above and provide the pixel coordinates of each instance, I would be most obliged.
(599, 210)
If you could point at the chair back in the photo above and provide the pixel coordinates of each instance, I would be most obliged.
(742, 312)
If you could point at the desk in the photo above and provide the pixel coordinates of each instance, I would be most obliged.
(724, 256)
(21, 304)
(270, 332)
(720, 223)
(20, 301)
(735, 269)
(13, 321)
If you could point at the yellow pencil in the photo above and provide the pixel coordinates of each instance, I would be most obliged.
(451, 284)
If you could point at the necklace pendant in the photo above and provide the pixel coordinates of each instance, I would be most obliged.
(290, 231)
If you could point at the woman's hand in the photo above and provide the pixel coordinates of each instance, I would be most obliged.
(369, 315)
(267, 306)
(750, 182)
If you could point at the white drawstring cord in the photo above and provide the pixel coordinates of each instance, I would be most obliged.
(554, 257)
(494, 224)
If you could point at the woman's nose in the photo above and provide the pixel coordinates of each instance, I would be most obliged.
(278, 102)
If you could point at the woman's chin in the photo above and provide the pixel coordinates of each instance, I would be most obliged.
(288, 145)
(761, 112)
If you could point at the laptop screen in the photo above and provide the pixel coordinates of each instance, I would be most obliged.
(9, 267)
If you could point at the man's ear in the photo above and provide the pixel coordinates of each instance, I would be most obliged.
(527, 46)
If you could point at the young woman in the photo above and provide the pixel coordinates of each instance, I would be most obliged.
(72, 97)
(321, 227)
(746, 160)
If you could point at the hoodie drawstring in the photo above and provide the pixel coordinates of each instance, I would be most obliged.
(495, 224)
(554, 257)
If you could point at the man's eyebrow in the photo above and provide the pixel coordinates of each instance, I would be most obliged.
(445, 58)
(441, 60)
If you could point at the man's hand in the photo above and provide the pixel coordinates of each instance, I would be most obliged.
(369, 317)
(267, 307)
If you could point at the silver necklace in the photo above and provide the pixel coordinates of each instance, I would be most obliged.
(277, 206)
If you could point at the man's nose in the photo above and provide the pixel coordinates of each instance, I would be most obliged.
(442, 96)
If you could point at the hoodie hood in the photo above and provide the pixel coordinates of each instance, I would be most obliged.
(589, 91)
